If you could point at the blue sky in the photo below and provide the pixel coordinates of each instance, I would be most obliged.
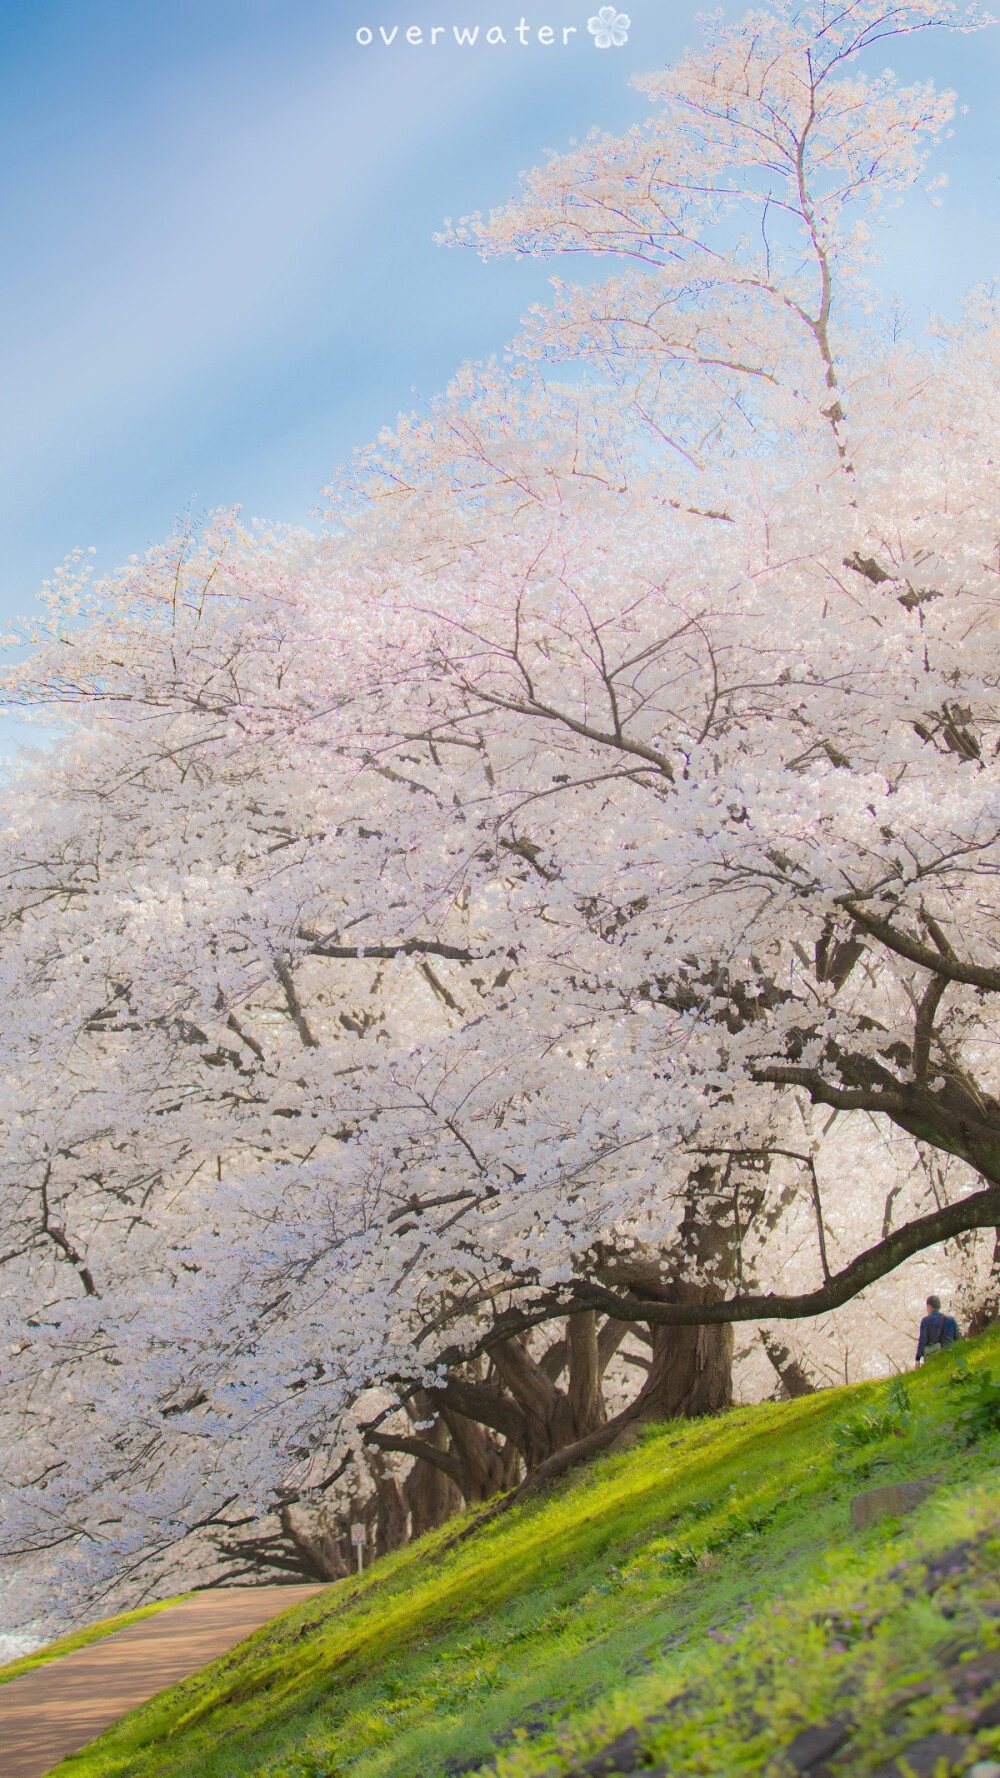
(217, 273)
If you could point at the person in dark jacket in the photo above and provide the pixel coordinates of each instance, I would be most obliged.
(936, 1330)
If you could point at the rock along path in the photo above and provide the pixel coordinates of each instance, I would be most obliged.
(55, 1710)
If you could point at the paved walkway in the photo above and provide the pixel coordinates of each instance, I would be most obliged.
(57, 1709)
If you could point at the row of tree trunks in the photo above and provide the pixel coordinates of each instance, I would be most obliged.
(521, 1410)
(491, 1430)
(461, 1460)
(519, 1415)
(316, 1545)
(499, 1418)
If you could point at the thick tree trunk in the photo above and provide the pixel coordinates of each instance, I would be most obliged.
(987, 1310)
(586, 1397)
(793, 1377)
(488, 1467)
(431, 1497)
(518, 1413)
(547, 1413)
(318, 1551)
(691, 1368)
(691, 1372)
(392, 1516)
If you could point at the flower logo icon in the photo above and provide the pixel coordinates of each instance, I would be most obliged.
(609, 26)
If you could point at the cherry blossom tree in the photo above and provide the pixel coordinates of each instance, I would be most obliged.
(794, 705)
(464, 964)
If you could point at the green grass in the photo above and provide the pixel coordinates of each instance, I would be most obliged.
(713, 1563)
(50, 1651)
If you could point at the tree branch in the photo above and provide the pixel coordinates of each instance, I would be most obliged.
(295, 1010)
(422, 1449)
(938, 962)
(981, 1210)
(407, 947)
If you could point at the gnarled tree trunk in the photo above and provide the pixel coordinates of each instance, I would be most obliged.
(488, 1466)
(431, 1497)
(987, 1309)
(318, 1550)
(692, 1367)
(586, 1374)
(792, 1375)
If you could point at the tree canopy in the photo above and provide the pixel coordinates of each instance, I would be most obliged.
(468, 922)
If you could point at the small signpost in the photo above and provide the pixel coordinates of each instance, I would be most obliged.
(359, 1537)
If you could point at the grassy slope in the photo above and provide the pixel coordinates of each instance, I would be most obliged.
(714, 1561)
(64, 1645)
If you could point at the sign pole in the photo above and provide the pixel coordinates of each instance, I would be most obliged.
(359, 1537)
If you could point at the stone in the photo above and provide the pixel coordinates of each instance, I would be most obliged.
(814, 1744)
(528, 1726)
(969, 1679)
(620, 1755)
(942, 1570)
(679, 1702)
(984, 1768)
(923, 1757)
(888, 1502)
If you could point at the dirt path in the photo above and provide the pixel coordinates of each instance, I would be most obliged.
(57, 1709)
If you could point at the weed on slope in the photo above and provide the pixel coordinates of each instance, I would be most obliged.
(698, 1604)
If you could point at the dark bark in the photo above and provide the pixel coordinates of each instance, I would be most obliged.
(940, 961)
(488, 1428)
(987, 1310)
(294, 1550)
(561, 1461)
(462, 1450)
(318, 946)
(586, 1397)
(486, 1404)
(555, 1359)
(979, 1210)
(792, 1376)
(609, 1338)
(424, 1450)
(954, 1115)
(523, 1402)
(319, 1550)
(924, 1091)
(487, 1466)
(547, 1416)
(392, 1517)
(691, 1371)
(691, 1368)
(431, 1494)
